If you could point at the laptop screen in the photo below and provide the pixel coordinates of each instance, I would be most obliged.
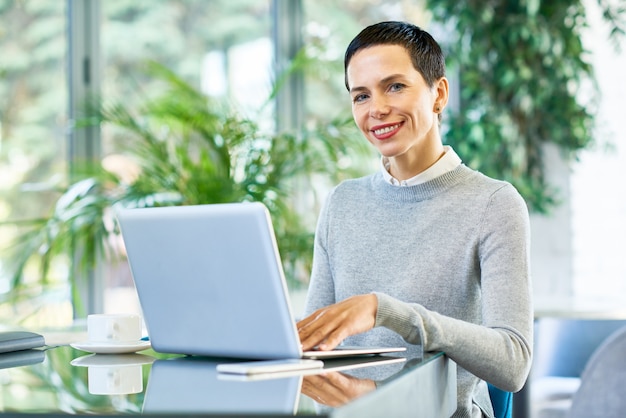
(210, 280)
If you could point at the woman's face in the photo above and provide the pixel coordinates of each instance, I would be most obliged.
(394, 107)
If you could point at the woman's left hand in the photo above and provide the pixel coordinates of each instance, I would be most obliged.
(327, 327)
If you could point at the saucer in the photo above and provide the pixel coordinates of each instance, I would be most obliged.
(112, 348)
(121, 360)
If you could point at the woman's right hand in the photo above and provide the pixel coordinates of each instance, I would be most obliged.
(335, 389)
(327, 327)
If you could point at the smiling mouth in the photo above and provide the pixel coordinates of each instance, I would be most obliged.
(386, 131)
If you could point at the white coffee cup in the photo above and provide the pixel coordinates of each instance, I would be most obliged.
(114, 328)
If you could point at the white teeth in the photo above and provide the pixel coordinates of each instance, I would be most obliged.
(386, 130)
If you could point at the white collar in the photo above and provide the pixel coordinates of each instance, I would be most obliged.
(448, 162)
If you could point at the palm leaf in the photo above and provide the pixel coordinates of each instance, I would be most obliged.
(190, 149)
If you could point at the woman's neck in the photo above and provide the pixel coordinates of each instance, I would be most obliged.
(409, 164)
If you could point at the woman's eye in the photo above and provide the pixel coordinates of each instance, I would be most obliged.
(359, 98)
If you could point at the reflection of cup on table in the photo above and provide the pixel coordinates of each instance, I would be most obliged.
(114, 374)
(114, 328)
(115, 380)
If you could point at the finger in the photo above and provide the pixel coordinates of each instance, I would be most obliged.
(327, 330)
(316, 329)
(315, 337)
(333, 339)
(328, 327)
(311, 319)
(329, 333)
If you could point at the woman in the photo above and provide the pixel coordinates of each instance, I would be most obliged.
(425, 253)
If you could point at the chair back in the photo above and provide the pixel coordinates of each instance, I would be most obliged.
(602, 392)
(501, 401)
(564, 346)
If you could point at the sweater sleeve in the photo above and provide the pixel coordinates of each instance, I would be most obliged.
(499, 350)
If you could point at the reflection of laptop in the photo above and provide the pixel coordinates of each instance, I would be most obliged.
(190, 386)
(210, 282)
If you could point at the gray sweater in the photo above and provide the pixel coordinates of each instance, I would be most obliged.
(449, 263)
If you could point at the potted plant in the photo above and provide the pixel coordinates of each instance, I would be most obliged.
(184, 148)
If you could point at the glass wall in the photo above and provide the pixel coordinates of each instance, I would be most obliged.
(201, 42)
(598, 189)
(33, 163)
(224, 48)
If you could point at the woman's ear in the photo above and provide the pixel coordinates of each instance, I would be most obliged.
(441, 89)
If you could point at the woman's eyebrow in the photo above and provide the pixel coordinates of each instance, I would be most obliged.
(382, 82)
(358, 89)
(391, 78)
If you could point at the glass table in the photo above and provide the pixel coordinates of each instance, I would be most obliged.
(65, 381)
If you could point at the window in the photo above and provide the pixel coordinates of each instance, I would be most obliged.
(201, 42)
(597, 184)
(33, 125)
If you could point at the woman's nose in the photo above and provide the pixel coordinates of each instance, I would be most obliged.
(378, 107)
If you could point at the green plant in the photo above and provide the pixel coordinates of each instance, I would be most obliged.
(183, 148)
(522, 71)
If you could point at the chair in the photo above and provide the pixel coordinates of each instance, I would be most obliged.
(501, 401)
(602, 391)
(564, 346)
(562, 349)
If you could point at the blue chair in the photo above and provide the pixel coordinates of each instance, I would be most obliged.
(563, 346)
(602, 392)
(501, 401)
(562, 349)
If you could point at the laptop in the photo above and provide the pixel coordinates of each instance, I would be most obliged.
(210, 282)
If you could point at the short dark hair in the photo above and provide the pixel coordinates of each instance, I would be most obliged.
(424, 51)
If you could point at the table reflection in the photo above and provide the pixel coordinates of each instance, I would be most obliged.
(332, 389)
(191, 385)
(65, 380)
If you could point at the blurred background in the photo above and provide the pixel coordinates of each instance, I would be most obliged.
(537, 99)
